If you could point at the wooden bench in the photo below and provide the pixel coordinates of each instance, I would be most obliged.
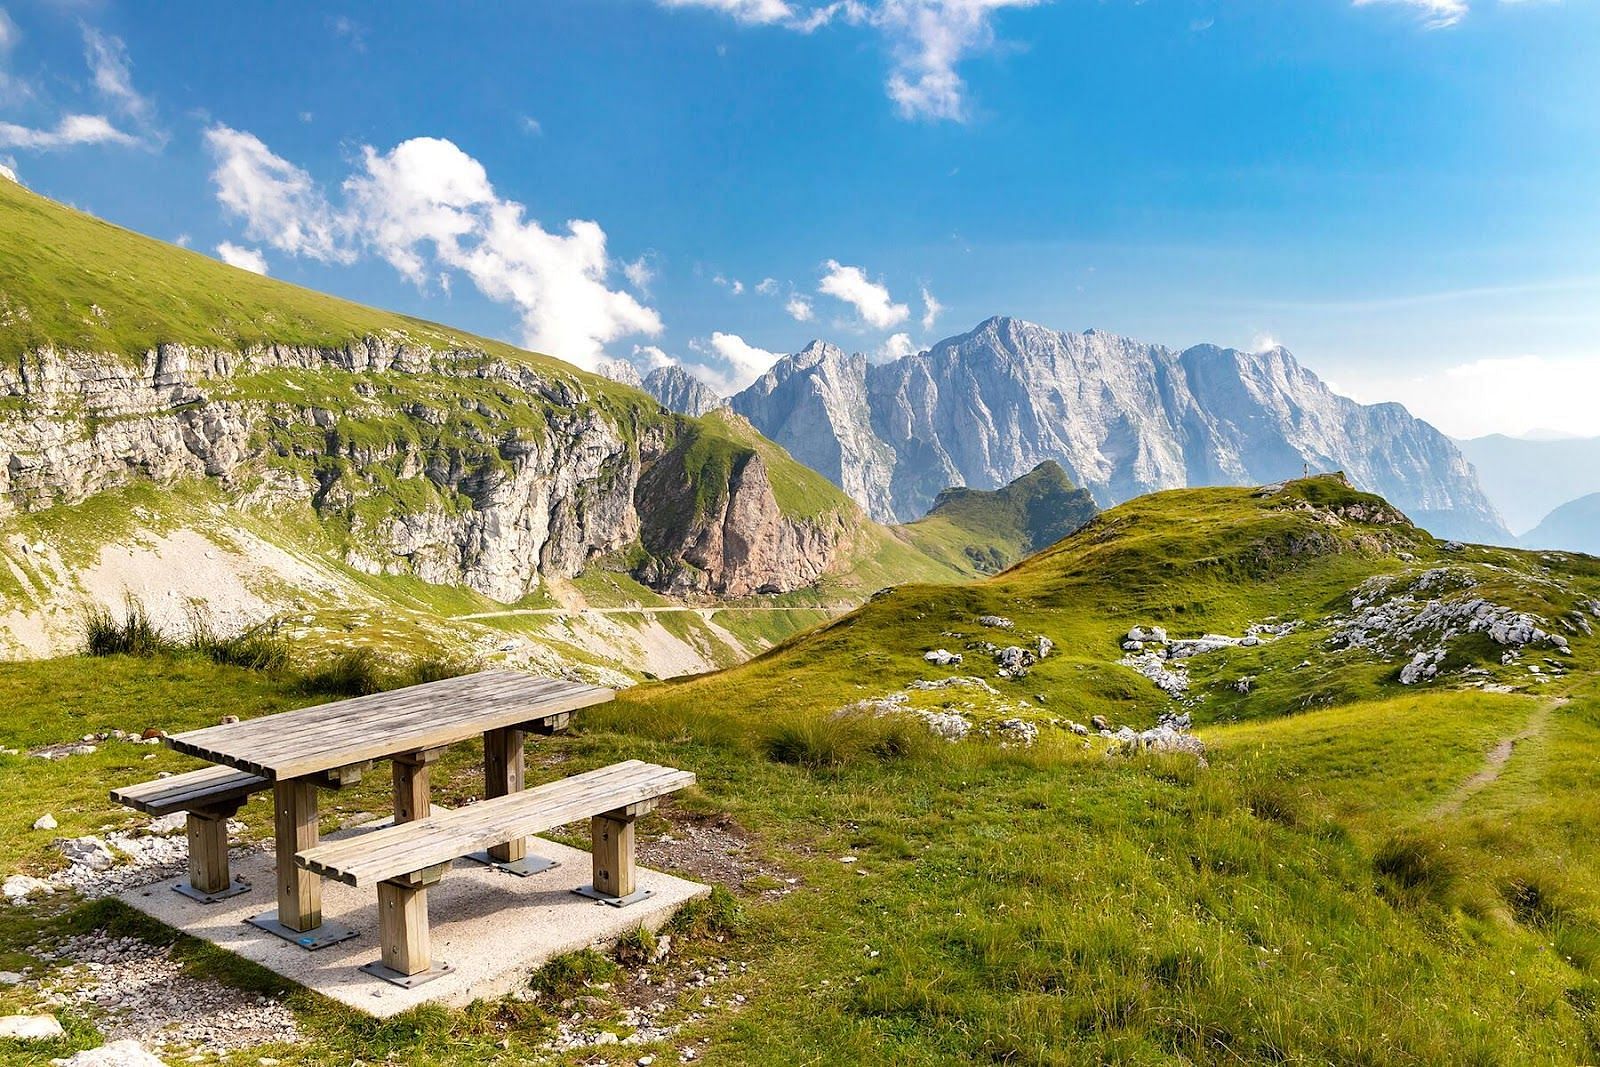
(405, 859)
(211, 797)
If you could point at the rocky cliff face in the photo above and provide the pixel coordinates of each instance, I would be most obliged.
(680, 391)
(450, 465)
(1123, 418)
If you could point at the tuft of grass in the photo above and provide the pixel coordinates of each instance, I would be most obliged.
(833, 740)
(572, 973)
(718, 916)
(255, 648)
(1418, 866)
(133, 634)
(355, 672)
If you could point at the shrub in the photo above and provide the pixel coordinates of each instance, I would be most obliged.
(132, 635)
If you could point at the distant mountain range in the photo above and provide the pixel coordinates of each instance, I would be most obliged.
(1573, 527)
(1527, 478)
(1120, 416)
(674, 387)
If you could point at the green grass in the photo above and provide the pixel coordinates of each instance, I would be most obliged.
(983, 531)
(1339, 883)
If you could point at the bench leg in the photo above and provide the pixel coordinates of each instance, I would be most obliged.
(403, 927)
(299, 891)
(505, 771)
(407, 944)
(208, 852)
(612, 840)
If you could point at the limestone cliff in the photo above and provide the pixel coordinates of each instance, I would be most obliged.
(452, 465)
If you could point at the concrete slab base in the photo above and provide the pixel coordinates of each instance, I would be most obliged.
(492, 927)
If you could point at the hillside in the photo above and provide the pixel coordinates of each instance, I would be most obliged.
(1572, 527)
(370, 445)
(988, 531)
(1375, 844)
(1122, 417)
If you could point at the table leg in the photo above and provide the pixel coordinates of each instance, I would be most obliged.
(299, 891)
(413, 780)
(505, 771)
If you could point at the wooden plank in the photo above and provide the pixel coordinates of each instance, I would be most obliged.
(185, 792)
(295, 823)
(412, 792)
(591, 785)
(312, 740)
(504, 772)
(396, 850)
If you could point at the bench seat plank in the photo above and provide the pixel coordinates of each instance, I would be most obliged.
(395, 851)
(204, 788)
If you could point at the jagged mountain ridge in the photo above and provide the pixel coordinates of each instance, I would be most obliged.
(675, 388)
(1121, 416)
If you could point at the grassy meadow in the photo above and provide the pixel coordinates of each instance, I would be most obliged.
(1359, 872)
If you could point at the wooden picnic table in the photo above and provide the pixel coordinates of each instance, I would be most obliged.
(331, 745)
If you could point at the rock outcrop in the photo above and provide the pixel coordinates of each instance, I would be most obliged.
(680, 391)
(1121, 417)
(454, 466)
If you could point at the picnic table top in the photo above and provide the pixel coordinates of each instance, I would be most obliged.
(294, 744)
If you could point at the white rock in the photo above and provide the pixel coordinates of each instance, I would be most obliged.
(125, 1053)
(942, 656)
(20, 887)
(10, 978)
(90, 852)
(30, 1027)
(45, 822)
(169, 824)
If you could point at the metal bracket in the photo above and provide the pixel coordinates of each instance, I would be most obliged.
(406, 981)
(522, 868)
(211, 898)
(616, 902)
(310, 940)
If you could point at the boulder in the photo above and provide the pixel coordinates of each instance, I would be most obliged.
(30, 1027)
(999, 622)
(45, 822)
(1099, 723)
(20, 887)
(942, 656)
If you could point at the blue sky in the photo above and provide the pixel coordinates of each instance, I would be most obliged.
(1405, 193)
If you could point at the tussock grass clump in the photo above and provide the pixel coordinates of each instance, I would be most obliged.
(834, 740)
(719, 915)
(1418, 867)
(571, 973)
(354, 672)
(133, 634)
(256, 648)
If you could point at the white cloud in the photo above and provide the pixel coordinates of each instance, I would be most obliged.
(927, 39)
(641, 272)
(1510, 395)
(799, 308)
(277, 201)
(71, 130)
(249, 259)
(897, 345)
(871, 299)
(1435, 14)
(427, 199)
(9, 174)
(733, 285)
(428, 209)
(9, 34)
(652, 357)
(183, 240)
(736, 363)
(108, 60)
(931, 309)
(767, 286)
(750, 12)
(530, 125)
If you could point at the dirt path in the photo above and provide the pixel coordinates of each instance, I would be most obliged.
(1498, 757)
(704, 613)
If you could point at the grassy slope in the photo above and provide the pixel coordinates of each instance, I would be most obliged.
(1339, 885)
(984, 531)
